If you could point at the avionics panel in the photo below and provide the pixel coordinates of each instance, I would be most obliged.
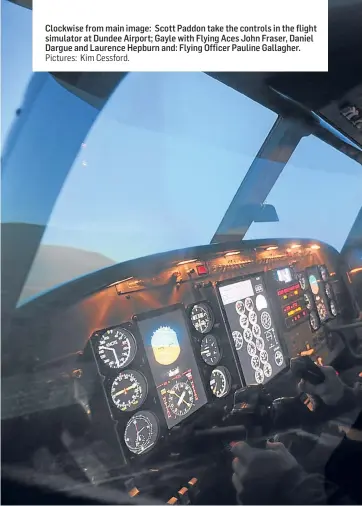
(257, 343)
(290, 297)
(172, 362)
(322, 292)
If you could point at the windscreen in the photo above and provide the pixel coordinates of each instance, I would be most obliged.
(317, 196)
(161, 140)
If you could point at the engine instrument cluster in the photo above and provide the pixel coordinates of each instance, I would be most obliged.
(256, 340)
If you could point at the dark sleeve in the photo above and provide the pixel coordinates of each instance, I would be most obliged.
(303, 488)
(296, 487)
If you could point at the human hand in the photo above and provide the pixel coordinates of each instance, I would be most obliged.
(331, 391)
(257, 472)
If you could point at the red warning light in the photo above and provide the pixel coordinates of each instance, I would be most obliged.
(201, 270)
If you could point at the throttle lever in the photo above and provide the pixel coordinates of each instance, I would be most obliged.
(304, 368)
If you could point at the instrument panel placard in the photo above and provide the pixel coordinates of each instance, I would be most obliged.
(251, 323)
(173, 365)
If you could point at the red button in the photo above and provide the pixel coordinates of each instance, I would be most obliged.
(201, 270)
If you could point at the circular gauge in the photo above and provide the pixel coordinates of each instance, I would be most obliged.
(259, 343)
(249, 304)
(302, 281)
(244, 321)
(239, 307)
(117, 348)
(141, 433)
(251, 348)
(253, 317)
(329, 292)
(259, 376)
(129, 390)
(314, 284)
(322, 312)
(255, 362)
(324, 272)
(265, 320)
(308, 300)
(313, 320)
(256, 330)
(267, 370)
(264, 356)
(210, 350)
(278, 357)
(248, 335)
(220, 382)
(180, 398)
(238, 339)
(202, 318)
(333, 308)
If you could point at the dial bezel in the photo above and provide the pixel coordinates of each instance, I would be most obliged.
(141, 378)
(133, 347)
(209, 311)
(227, 377)
(219, 349)
(154, 421)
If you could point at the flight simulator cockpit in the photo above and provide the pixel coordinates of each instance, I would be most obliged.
(128, 379)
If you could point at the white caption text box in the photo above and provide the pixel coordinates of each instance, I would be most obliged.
(140, 35)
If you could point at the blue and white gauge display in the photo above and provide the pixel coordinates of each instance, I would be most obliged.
(117, 348)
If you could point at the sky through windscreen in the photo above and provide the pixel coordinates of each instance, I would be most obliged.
(158, 169)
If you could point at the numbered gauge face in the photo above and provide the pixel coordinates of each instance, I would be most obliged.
(180, 398)
(322, 312)
(329, 292)
(308, 300)
(324, 272)
(117, 348)
(141, 432)
(210, 350)
(333, 308)
(238, 338)
(220, 382)
(314, 320)
(129, 390)
(302, 281)
(202, 318)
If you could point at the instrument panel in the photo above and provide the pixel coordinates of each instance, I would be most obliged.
(168, 339)
(164, 368)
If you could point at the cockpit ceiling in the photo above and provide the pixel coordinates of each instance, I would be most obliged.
(330, 94)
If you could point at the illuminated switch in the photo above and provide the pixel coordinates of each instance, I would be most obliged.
(183, 494)
(173, 500)
(134, 492)
(193, 489)
(201, 270)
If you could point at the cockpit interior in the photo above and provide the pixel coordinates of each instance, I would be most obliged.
(118, 386)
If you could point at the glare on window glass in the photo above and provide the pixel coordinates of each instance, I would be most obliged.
(317, 196)
(157, 171)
